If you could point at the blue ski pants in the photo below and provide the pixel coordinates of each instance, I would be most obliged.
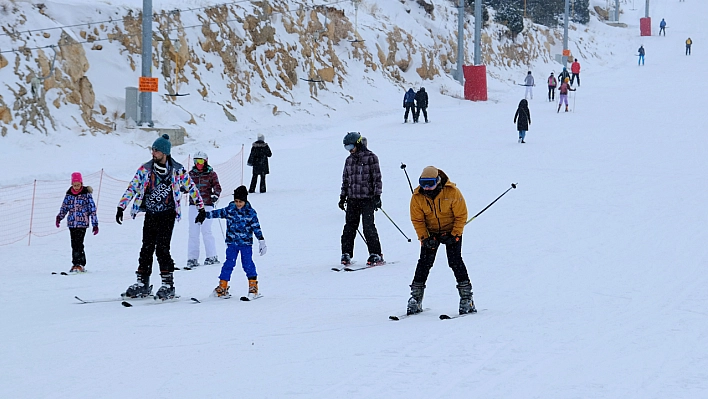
(232, 251)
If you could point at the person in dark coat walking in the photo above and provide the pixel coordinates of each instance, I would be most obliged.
(260, 152)
(409, 104)
(421, 103)
(360, 197)
(522, 119)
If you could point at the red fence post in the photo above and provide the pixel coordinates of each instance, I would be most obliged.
(29, 236)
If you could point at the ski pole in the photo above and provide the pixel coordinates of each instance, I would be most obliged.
(394, 223)
(513, 185)
(403, 166)
(361, 235)
(575, 95)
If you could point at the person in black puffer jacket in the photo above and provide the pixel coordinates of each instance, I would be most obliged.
(421, 100)
(522, 118)
(260, 152)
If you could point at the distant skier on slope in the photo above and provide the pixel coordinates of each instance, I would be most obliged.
(207, 182)
(529, 83)
(575, 68)
(421, 103)
(564, 88)
(522, 118)
(662, 27)
(641, 55)
(409, 104)
(439, 213)
(689, 42)
(563, 75)
(552, 84)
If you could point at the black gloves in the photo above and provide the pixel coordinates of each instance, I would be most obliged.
(201, 216)
(377, 202)
(430, 243)
(342, 202)
(214, 198)
(449, 239)
(119, 215)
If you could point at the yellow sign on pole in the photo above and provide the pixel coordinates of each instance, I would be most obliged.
(146, 84)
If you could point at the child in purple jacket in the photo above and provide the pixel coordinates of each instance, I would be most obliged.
(78, 207)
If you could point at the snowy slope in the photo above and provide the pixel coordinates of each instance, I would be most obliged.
(590, 274)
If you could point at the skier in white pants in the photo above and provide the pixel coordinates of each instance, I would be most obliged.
(529, 83)
(206, 180)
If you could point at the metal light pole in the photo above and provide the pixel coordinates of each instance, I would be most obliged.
(565, 31)
(478, 32)
(617, 10)
(146, 97)
(460, 42)
(646, 10)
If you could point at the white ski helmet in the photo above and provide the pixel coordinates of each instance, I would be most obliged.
(201, 155)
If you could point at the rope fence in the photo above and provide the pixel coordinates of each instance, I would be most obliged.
(21, 218)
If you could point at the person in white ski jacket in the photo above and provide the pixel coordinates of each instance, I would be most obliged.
(529, 83)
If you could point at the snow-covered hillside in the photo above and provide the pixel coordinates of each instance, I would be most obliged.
(590, 276)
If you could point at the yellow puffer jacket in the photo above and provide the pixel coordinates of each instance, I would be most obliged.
(447, 213)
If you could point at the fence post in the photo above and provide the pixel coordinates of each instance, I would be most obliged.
(242, 166)
(34, 191)
(100, 182)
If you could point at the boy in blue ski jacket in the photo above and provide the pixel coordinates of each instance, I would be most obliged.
(241, 225)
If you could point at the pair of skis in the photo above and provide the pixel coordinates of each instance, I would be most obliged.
(441, 317)
(243, 298)
(349, 268)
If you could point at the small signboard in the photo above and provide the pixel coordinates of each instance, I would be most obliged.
(146, 84)
(566, 53)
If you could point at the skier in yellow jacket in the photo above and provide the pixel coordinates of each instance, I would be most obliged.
(438, 214)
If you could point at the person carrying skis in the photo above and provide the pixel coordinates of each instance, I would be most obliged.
(522, 118)
(563, 89)
(409, 104)
(241, 225)
(78, 207)
(359, 198)
(156, 190)
(421, 103)
(258, 158)
(662, 27)
(563, 75)
(207, 182)
(575, 68)
(641, 55)
(689, 42)
(439, 213)
(529, 83)
(552, 83)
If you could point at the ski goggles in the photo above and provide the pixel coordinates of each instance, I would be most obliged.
(349, 147)
(199, 161)
(428, 182)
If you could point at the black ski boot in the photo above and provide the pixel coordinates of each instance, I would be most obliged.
(346, 259)
(466, 302)
(167, 291)
(375, 260)
(141, 289)
(415, 303)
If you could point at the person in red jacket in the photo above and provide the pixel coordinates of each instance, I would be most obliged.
(575, 68)
(207, 182)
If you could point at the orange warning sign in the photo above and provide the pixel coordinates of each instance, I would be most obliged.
(147, 84)
(566, 53)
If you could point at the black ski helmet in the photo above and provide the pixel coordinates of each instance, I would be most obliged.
(351, 139)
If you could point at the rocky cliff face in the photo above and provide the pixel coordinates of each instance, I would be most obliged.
(228, 56)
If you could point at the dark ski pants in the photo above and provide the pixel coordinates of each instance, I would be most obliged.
(78, 256)
(364, 209)
(409, 107)
(417, 114)
(157, 234)
(688, 49)
(572, 78)
(551, 93)
(454, 260)
(254, 180)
